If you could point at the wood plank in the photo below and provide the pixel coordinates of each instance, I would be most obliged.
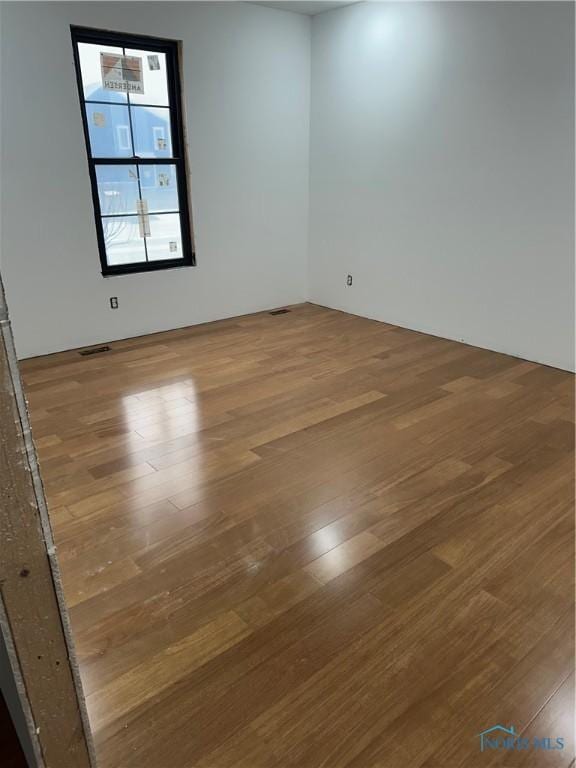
(311, 540)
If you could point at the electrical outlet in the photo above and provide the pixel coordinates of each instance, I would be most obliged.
(113, 302)
(349, 280)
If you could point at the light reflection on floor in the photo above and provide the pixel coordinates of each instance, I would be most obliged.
(164, 426)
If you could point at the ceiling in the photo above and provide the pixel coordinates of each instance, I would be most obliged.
(309, 8)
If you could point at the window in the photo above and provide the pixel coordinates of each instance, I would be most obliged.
(132, 115)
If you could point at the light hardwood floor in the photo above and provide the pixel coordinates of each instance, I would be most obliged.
(312, 540)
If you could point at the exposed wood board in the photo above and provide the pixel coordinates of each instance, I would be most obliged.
(34, 618)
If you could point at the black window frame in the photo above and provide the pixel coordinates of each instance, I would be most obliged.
(171, 48)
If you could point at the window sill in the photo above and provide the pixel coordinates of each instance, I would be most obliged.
(134, 269)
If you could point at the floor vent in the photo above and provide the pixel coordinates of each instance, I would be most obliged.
(94, 351)
(279, 312)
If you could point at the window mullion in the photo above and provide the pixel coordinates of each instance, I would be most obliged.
(132, 160)
(129, 106)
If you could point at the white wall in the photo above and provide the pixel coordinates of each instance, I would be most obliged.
(442, 167)
(246, 84)
(441, 171)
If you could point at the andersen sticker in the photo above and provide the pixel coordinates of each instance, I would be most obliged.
(121, 73)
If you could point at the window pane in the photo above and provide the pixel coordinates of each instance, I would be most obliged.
(164, 241)
(159, 187)
(117, 188)
(109, 129)
(152, 136)
(124, 243)
(92, 73)
(155, 78)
